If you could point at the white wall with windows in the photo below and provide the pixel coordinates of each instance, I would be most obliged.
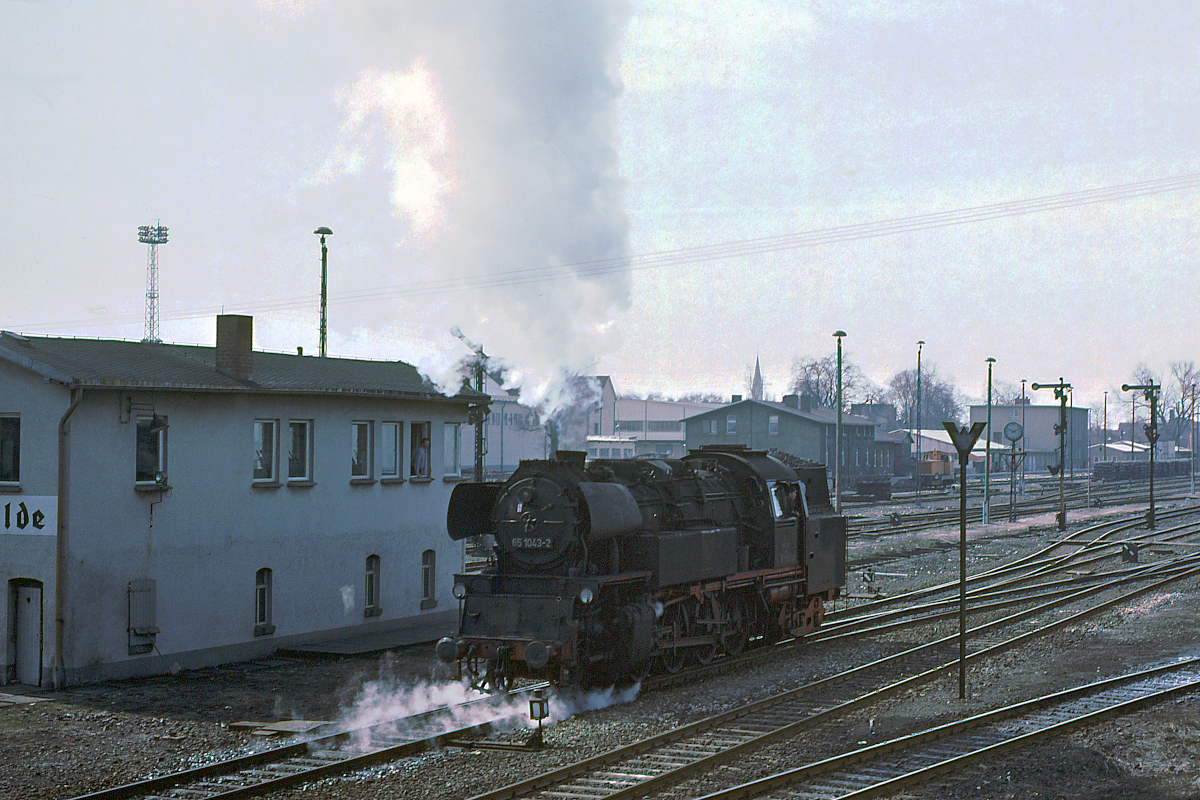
(261, 520)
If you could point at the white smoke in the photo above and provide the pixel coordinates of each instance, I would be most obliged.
(386, 700)
(498, 130)
(389, 699)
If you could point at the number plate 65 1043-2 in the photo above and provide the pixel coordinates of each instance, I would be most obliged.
(533, 543)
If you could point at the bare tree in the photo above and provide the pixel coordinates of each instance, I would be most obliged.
(939, 400)
(818, 379)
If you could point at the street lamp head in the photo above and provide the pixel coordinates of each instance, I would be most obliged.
(839, 334)
(991, 361)
(323, 231)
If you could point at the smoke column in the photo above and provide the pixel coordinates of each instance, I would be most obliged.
(499, 134)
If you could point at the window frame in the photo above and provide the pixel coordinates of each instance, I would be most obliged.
(391, 448)
(159, 451)
(362, 451)
(264, 601)
(418, 431)
(272, 476)
(307, 478)
(373, 607)
(428, 579)
(12, 456)
(451, 443)
(731, 425)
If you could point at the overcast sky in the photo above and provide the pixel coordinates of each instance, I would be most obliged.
(516, 169)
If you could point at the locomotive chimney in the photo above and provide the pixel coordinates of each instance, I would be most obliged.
(572, 457)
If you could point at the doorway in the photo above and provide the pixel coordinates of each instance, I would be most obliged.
(27, 601)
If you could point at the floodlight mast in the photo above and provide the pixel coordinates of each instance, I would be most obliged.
(152, 235)
(323, 232)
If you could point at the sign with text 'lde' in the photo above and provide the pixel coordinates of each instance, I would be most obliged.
(37, 516)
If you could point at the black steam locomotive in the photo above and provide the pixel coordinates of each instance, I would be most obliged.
(602, 569)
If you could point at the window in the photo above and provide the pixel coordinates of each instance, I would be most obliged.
(300, 451)
(450, 444)
(663, 426)
(142, 626)
(773, 425)
(712, 426)
(10, 449)
(360, 450)
(428, 579)
(419, 457)
(629, 425)
(604, 452)
(264, 450)
(373, 608)
(262, 603)
(731, 424)
(389, 454)
(151, 450)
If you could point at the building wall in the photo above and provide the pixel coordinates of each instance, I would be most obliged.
(203, 540)
(1041, 442)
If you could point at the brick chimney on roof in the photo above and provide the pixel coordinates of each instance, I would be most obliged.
(235, 346)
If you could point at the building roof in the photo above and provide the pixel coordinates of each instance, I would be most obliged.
(117, 364)
(825, 416)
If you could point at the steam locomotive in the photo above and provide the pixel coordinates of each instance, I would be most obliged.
(602, 569)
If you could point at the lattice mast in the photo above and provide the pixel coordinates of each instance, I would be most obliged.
(152, 235)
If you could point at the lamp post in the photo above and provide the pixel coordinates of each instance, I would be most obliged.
(837, 445)
(1192, 439)
(1150, 392)
(987, 464)
(1104, 448)
(1024, 446)
(323, 232)
(920, 344)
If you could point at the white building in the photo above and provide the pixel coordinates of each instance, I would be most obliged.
(513, 432)
(282, 503)
(625, 427)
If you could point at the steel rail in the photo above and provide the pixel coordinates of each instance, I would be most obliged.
(319, 756)
(890, 766)
(666, 758)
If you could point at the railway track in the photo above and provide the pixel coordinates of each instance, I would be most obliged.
(326, 754)
(888, 519)
(671, 756)
(890, 766)
(666, 759)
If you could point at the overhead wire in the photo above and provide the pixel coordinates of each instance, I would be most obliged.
(702, 253)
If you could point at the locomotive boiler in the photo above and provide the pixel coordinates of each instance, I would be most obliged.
(602, 569)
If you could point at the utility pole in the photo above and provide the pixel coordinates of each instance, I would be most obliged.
(964, 441)
(1150, 392)
(1060, 393)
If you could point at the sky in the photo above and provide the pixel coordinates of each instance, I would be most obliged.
(662, 192)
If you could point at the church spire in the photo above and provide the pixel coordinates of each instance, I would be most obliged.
(756, 385)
